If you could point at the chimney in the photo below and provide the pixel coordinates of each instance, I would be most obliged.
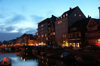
(99, 12)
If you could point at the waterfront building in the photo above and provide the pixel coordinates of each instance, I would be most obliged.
(64, 22)
(46, 31)
(76, 33)
(93, 32)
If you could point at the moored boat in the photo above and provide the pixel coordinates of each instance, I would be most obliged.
(6, 61)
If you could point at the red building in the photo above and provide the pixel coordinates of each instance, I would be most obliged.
(93, 32)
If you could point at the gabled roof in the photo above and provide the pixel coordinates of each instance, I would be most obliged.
(71, 10)
(46, 20)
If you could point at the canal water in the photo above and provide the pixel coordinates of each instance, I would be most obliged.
(18, 61)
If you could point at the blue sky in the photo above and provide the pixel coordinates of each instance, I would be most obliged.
(22, 16)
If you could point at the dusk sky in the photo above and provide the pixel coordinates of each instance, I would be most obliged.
(22, 16)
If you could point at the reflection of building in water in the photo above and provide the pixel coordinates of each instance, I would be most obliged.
(50, 62)
(26, 53)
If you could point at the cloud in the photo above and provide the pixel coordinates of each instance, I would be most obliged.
(18, 24)
(37, 18)
(10, 28)
(15, 19)
(9, 36)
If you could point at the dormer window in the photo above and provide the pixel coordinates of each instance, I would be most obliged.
(66, 14)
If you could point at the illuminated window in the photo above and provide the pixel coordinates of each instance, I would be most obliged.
(79, 14)
(66, 14)
(63, 15)
(42, 25)
(53, 33)
(46, 38)
(41, 35)
(74, 14)
(98, 40)
(78, 45)
(73, 44)
(58, 22)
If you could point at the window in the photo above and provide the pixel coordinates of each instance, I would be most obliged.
(79, 14)
(63, 15)
(46, 38)
(53, 33)
(42, 25)
(74, 14)
(41, 35)
(58, 22)
(66, 14)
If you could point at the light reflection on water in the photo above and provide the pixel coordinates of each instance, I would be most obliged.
(17, 61)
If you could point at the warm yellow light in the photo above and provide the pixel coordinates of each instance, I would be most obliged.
(99, 40)
(73, 44)
(46, 38)
(65, 44)
(78, 45)
(42, 43)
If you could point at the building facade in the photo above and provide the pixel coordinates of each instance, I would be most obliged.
(46, 31)
(64, 22)
(76, 33)
(93, 32)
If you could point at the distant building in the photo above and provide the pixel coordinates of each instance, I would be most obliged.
(64, 22)
(46, 31)
(93, 32)
(25, 39)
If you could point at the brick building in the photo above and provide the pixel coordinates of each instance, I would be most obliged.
(93, 32)
(46, 31)
(64, 22)
(76, 33)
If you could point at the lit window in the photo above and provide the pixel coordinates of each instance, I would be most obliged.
(63, 15)
(53, 33)
(58, 22)
(74, 14)
(79, 14)
(98, 40)
(78, 45)
(41, 35)
(46, 38)
(41, 25)
(66, 14)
